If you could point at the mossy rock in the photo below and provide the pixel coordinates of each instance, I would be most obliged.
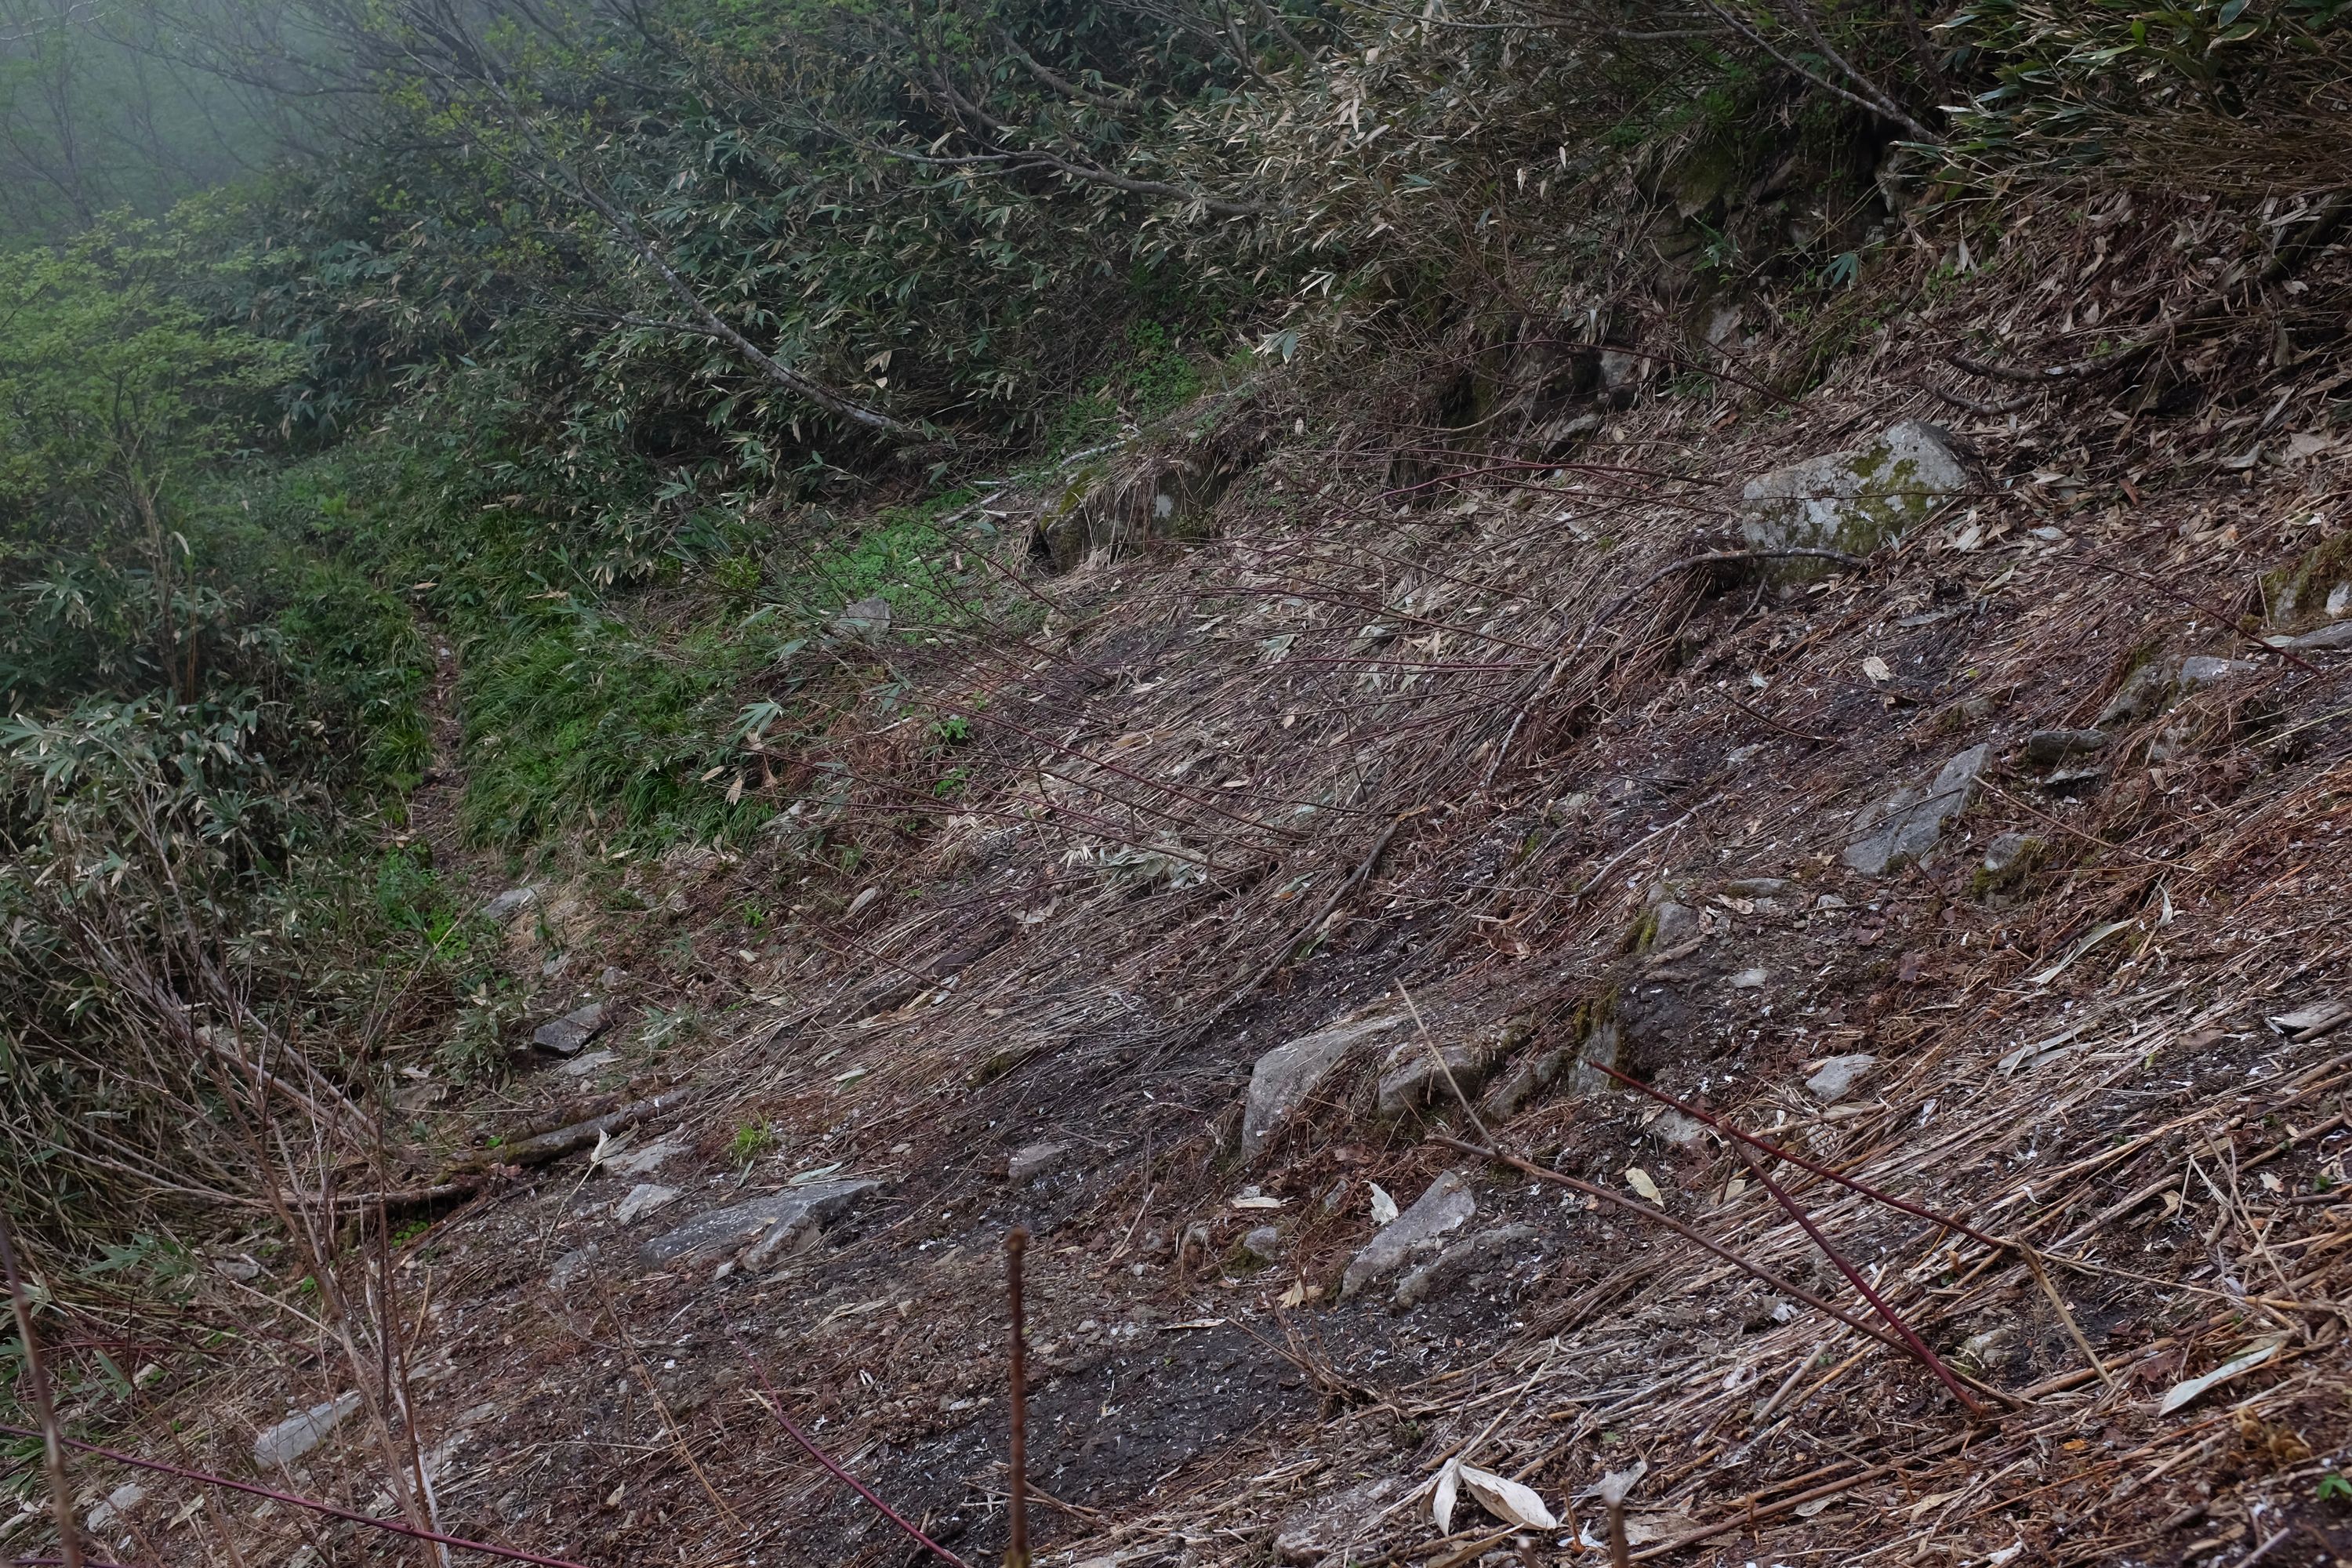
(1856, 500)
(2316, 585)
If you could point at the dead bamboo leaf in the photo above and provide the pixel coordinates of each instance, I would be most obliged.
(1639, 1179)
(1508, 1499)
(2180, 1394)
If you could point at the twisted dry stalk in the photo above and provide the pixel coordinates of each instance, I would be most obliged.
(53, 1455)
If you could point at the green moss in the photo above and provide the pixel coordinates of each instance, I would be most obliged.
(2298, 591)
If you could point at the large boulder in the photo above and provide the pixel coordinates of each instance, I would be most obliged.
(1857, 499)
(1287, 1074)
(1907, 825)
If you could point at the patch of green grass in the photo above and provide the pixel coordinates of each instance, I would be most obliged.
(751, 1139)
(584, 719)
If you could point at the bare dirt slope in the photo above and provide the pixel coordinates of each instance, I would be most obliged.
(1942, 868)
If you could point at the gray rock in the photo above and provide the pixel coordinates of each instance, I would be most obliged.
(1287, 1076)
(1913, 821)
(1328, 1525)
(1600, 1048)
(566, 1035)
(642, 1199)
(296, 1436)
(1412, 1076)
(645, 1162)
(119, 1503)
(1835, 1077)
(1518, 1084)
(571, 1266)
(1265, 1243)
(761, 1219)
(2045, 747)
(1461, 1260)
(1855, 500)
(2009, 852)
(1671, 926)
(1033, 1161)
(1758, 886)
(866, 621)
(2154, 686)
(1420, 1231)
(2321, 641)
(584, 1067)
(508, 904)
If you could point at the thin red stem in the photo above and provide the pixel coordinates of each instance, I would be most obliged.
(1018, 1554)
(1918, 1346)
(388, 1526)
(1799, 1160)
(776, 1408)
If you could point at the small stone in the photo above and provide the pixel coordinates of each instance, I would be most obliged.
(504, 906)
(645, 1162)
(584, 1067)
(1288, 1074)
(1265, 1243)
(571, 1266)
(1461, 1260)
(2009, 852)
(1443, 1208)
(299, 1434)
(866, 621)
(566, 1035)
(1748, 980)
(1758, 886)
(642, 1199)
(1033, 1161)
(613, 978)
(119, 1502)
(1835, 1077)
(707, 1237)
(2326, 637)
(1831, 901)
(2045, 747)
(1913, 821)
